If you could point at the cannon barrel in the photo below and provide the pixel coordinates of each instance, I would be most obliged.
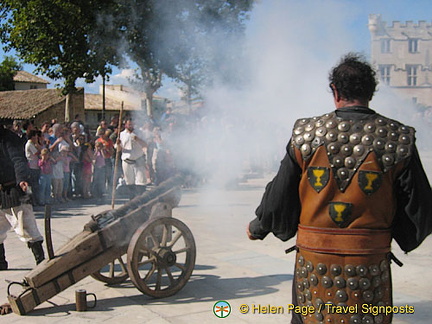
(103, 239)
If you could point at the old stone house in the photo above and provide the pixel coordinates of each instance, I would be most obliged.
(38, 105)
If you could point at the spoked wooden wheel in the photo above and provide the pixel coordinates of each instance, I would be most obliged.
(161, 257)
(113, 273)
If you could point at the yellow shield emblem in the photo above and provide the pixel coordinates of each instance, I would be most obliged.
(318, 177)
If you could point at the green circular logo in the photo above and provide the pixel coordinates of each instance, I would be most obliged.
(222, 309)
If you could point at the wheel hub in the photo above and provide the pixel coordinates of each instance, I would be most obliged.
(166, 257)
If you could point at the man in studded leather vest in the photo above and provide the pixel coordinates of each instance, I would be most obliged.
(351, 181)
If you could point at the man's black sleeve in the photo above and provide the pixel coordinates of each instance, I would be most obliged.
(17, 156)
(280, 205)
(413, 219)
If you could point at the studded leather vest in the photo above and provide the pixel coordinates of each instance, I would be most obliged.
(349, 167)
(348, 205)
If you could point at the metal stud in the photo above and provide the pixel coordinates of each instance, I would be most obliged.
(299, 140)
(355, 319)
(350, 270)
(369, 128)
(364, 283)
(376, 281)
(308, 137)
(379, 319)
(374, 270)
(344, 126)
(367, 319)
(352, 283)
(381, 132)
(331, 136)
(367, 140)
(321, 268)
(338, 161)
(306, 149)
(331, 124)
(298, 130)
(350, 162)
(390, 147)
(341, 295)
(335, 269)
(362, 270)
(388, 159)
(379, 144)
(346, 150)
(393, 136)
(307, 294)
(343, 173)
(309, 127)
(355, 138)
(326, 282)
(368, 296)
(309, 266)
(359, 150)
(318, 302)
(380, 121)
(314, 279)
(333, 148)
(301, 260)
(300, 286)
(343, 138)
(384, 265)
(301, 298)
(303, 272)
(320, 131)
(340, 282)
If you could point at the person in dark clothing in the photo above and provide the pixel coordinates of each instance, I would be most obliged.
(350, 182)
(15, 208)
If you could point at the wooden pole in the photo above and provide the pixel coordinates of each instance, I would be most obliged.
(48, 238)
(117, 157)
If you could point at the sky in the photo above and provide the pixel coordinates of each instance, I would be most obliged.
(342, 24)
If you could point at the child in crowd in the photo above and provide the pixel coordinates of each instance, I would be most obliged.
(57, 177)
(45, 164)
(66, 158)
(87, 169)
(98, 184)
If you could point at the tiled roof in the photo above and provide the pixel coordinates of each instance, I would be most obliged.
(23, 76)
(24, 104)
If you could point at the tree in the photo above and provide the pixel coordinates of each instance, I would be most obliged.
(8, 69)
(183, 39)
(54, 35)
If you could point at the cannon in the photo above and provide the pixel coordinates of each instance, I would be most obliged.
(140, 240)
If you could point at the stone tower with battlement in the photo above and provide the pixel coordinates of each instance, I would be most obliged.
(402, 54)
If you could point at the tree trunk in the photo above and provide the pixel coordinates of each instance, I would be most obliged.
(67, 116)
(149, 103)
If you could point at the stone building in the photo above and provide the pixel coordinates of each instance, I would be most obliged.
(402, 54)
(38, 105)
(24, 80)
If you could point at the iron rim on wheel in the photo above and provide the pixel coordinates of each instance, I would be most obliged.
(161, 257)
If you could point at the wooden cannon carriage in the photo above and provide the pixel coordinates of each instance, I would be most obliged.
(139, 240)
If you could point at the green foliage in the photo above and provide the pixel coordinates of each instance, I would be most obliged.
(187, 40)
(8, 69)
(54, 36)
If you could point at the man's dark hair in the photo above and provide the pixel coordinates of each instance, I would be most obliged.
(353, 78)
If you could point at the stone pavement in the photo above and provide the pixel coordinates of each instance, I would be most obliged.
(228, 267)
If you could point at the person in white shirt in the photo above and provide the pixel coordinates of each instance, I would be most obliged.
(132, 155)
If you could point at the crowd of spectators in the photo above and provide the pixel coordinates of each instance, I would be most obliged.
(67, 162)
